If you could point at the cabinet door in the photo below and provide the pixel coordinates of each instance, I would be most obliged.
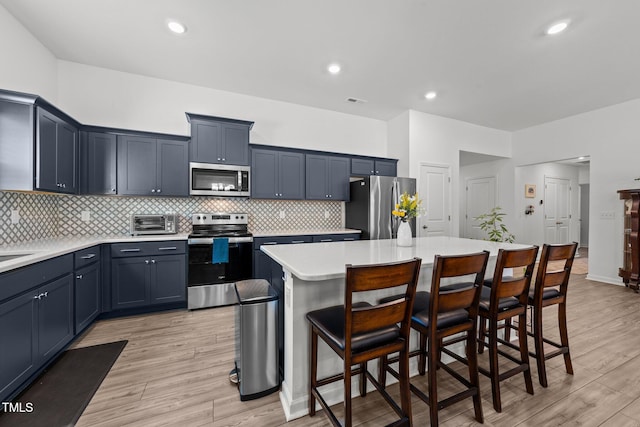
(316, 179)
(261, 265)
(172, 168)
(168, 279)
(137, 165)
(98, 153)
(55, 316)
(67, 158)
(19, 338)
(235, 144)
(338, 178)
(386, 167)
(362, 167)
(129, 282)
(264, 174)
(291, 180)
(87, 295)
(206, 139)
(46, 136)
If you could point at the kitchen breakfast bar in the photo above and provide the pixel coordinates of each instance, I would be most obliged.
(314, 277)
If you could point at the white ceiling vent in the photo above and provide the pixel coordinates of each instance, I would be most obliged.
(355, 100)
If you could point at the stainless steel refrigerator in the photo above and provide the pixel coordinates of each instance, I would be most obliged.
(371, 202)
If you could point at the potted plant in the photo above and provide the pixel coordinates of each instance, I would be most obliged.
(492, 223)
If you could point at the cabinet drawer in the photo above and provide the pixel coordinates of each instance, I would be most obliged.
(280, 240)
(335, 237)
(168, 247)
(25, 278)
(87, 256)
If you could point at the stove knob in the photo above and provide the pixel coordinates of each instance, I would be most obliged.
(198, 217)
(237, 217)
(204, 217)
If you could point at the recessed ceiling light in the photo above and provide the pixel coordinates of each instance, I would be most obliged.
(581, 158)
(176, 27)
(334, 68)
(430, 95)
(557, 28)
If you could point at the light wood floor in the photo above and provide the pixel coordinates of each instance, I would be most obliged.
(174, 371)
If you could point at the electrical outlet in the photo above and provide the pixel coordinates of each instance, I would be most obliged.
(15, 216)
(281, 215)
(86, 216)
(607, 215)
(326, 214)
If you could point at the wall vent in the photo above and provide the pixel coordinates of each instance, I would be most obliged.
(355, 100)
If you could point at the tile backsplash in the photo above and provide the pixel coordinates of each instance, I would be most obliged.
(44, 216)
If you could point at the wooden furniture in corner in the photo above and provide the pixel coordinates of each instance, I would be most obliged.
(630, 271)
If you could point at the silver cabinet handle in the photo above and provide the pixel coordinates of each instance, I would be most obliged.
(88, 256)
(113, 190)
(224, 160)
(348, 238)
(326, 240)
(158, 190)
(146, 261)
(297, 241)
(270, 243)
(153, 261)
(168, 248)
(153, 190)
(130, 250)
(38, 296)
(79, 276)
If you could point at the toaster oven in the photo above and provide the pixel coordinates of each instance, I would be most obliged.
(153, 224)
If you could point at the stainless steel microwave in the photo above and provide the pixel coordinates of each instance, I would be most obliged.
(208, 179)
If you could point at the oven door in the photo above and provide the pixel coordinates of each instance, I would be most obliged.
(212, 285)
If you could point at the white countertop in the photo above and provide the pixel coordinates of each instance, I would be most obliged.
(303, 231)
(322, 261)
(41, 250)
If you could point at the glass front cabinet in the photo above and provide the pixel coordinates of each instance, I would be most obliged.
(630, 271)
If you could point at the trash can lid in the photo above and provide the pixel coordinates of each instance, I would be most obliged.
(254, 290)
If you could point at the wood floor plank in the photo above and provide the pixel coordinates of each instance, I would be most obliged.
(174, 371)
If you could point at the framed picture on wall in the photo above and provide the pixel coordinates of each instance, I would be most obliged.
(530, 190)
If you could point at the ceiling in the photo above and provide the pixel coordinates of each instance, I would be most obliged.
(489, 60)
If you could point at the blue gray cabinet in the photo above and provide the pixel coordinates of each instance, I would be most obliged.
(150, 166)
(36, 320)
(362, 166)
(277, 174)
(323, 238)
(148, 273)
(327, 177)
(57, 153)
(87, 287)
(219, 140)
(98, 163)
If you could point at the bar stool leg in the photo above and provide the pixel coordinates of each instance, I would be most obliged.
(432, 355)
(493, 363)
(313, 381)
(524, 351)
(382, 370)
(405, 390)
(564, 336)
(363, 379)
(422, 361)
(347, 392)
(537, 337)
(482, 330)
(474, 377)
(507, 329)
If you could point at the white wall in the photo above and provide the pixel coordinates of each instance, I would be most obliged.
(398, 137)
(530, 228)
(27, 66)
(439, 140)
(610, 136)
(110, 98)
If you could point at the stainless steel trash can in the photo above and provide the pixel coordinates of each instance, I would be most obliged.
(256, 339)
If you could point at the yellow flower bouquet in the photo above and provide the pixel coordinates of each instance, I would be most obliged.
(409, 207)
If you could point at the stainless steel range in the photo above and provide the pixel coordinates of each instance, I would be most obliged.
(220, 253)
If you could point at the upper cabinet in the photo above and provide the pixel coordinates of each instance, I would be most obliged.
(38, 145)
(98, 163)
(152, 166)
(327, 177)
(219, 140)
(277, 174)
(363, 166)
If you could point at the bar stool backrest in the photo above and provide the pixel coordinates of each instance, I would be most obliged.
(554, 274)
(518, 284)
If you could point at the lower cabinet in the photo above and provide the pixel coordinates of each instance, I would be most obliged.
(147, 279)
(33, 328)
(87, 295)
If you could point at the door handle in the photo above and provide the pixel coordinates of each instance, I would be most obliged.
(424, 227)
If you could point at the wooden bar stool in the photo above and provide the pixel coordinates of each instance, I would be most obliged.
(551, 289)
(450, 310)
(506, 298)
(359, 332)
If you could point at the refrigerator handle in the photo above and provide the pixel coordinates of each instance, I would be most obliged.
(395, 199)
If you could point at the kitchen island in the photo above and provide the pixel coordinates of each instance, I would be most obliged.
(314, 277)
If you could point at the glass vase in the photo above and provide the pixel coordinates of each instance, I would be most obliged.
(404, 234)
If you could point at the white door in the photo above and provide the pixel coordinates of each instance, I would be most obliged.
(434, 188)
(557, 211)
(481, 198)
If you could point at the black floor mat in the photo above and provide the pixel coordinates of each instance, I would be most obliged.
(58, 397)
